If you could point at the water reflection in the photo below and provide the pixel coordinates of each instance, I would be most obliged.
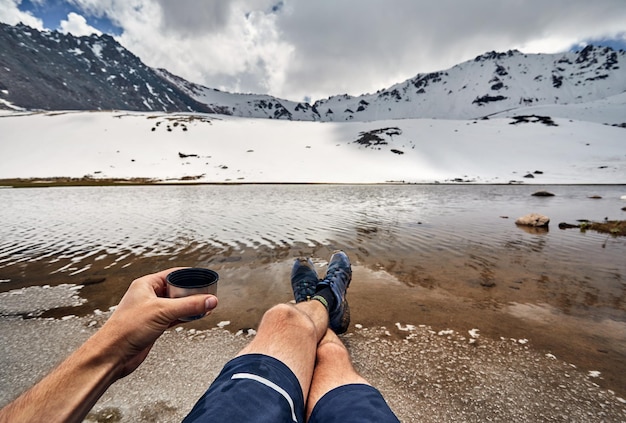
(452, 237)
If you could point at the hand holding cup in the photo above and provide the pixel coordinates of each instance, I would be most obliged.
(191, 281)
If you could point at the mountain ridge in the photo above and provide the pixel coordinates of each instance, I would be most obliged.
(52, 71)
(55, 71)
(465, 91)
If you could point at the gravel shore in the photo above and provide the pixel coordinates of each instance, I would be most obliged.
(425, 375)
(427, 372)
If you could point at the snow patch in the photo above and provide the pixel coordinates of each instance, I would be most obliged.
(449, 151)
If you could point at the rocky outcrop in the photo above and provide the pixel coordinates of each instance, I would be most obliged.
(534, 220)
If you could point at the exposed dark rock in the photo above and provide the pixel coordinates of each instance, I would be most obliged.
(423, 81)
(281, 112)
(501, 70)
(612, 227)
(488, 99)
(93, 280)
(546, 120)
(375, 136)
(487, 282)
(543, 194)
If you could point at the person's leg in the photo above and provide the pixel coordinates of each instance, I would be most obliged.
(270, 378)
(338, 393)
(290, 333)
(333, 368)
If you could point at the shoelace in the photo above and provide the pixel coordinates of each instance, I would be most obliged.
(331, 273)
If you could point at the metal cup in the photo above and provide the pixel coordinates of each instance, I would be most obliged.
(191, 281)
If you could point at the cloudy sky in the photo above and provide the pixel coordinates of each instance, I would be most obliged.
(311, 49)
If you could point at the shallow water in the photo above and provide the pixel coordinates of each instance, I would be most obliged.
(401, 221)
(448, 236)
(451, 255)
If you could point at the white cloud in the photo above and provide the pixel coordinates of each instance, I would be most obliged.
(12, 15)
(358, 46)
(77, 25)
(223, 44)
(302, 48)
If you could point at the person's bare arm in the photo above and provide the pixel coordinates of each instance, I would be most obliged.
(117, 349)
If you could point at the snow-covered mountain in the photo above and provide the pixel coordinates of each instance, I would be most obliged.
(489, 84)
(54, 71)
(244, 105)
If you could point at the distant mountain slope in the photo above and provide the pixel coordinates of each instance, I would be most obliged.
(52, 71)
(243, 105)
(491, 83)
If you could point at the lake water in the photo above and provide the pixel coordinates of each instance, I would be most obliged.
(447, 256)
(448, 236)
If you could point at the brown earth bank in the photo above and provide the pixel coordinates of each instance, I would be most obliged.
(93, 180)
(611, 227)
(539, 329)
(72, 182)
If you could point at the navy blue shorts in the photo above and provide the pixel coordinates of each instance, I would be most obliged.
(353, 403)
(259, 388)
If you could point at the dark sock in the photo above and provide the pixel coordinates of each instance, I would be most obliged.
(325, 296)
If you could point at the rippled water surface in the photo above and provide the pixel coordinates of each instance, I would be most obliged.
(37, 223)
(422, 233)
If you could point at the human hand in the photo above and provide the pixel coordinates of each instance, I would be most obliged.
(72, 388)
(143, 315)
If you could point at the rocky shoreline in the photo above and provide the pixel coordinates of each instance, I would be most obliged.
(429, 365)
(424, 374)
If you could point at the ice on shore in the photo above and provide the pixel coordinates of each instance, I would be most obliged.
(33, 301)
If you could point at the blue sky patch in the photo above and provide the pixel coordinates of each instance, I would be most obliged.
(618, 43)
(52, 12)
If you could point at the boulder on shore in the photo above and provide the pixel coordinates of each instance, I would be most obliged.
(535, 220)
(543, 194)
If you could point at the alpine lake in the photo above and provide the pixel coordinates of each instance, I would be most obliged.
(448, 256)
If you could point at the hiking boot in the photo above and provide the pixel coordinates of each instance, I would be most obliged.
(338, 278)
(304, 279)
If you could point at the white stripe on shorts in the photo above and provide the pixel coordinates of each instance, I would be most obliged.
(270, 384)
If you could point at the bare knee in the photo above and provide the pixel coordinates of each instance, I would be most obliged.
(285, 317)
(333, 357)
(332, 350)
